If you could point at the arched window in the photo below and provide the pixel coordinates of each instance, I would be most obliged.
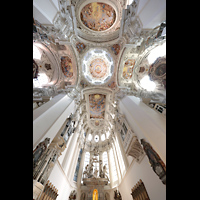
(103, 137)
(78, 165)
(96, 138)
(107, 134)
(90, 137)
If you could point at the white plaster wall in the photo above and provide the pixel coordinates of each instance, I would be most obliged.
(47, 8)
(60, 181)
(154, 186)
(146, 123)
(151, 12)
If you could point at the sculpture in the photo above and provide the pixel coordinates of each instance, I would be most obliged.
(156, 163)
(96, 151)
(105, 173)
(95, 173)
(39, 150)
(117, 195)
(72, 195)
(83, 196)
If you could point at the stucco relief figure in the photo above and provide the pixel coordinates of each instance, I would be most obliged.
(39, 150)
(83, 196)
(105, 173)
(35, 69)
(96, 151)
(72, 195)
(95, 173)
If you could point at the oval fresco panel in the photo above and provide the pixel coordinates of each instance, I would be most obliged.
(98, 16)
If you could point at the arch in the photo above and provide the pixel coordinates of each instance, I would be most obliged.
(95, 194)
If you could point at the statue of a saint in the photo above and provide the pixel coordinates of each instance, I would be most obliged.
(39, 150)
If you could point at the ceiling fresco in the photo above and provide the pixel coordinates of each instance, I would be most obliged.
(66, 66)
(97, 106)
(98, 68)
(98, 16)
(128, 68)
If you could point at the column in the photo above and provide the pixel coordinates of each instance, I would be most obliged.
(48, 119)
(110, 168)
(146, 123)
(73, 163)
(70, 152)
(122, 151)
(116, 163)
(119, 156)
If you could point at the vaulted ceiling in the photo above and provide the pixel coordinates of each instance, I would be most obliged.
(101, 49)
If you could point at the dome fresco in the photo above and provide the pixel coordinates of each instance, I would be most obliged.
(98, 16)
(98, 68)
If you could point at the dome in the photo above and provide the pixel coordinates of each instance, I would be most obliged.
(97, 66)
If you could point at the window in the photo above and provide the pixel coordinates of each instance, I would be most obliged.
(122, 135)
(147, 84)
(89, 137)
(103, 137)
(107, 134)
(41, 80)
(78, 165)
(124, 127)
(96, 138)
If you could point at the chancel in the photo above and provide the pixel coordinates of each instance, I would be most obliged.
(99, 99)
